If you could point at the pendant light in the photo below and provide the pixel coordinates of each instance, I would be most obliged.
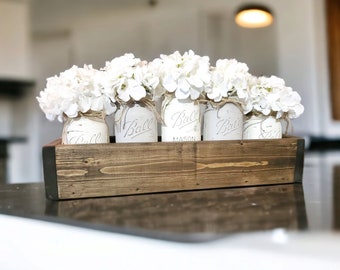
(254, 16)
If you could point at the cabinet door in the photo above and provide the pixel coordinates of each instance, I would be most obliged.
(333, 23)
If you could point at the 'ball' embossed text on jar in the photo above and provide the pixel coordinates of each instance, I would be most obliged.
(262, 127)
(87, 128)
(222, 122)
(135, 123)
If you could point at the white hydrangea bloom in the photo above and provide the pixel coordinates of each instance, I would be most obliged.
(128, 78)
(270, 95)
(73, 91)
(229, 78)
(184, 76)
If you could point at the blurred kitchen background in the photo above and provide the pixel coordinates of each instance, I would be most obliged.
(41, 38)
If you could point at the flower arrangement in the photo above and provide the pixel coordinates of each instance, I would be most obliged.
(182, 76)
(127, 78)
(229, 80)
(132, 84)
(74, 91)
(182, 80)
(270, 96)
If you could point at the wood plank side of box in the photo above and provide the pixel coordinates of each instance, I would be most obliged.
(99, 170)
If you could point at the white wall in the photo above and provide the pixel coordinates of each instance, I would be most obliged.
(294, 47)
(15, 64)
(15, 40)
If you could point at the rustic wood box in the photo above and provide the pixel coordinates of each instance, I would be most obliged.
(99, 170)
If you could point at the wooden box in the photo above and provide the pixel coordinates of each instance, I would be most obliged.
(99, 170)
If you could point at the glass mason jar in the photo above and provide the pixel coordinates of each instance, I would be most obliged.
(222, 122)
(86, 128)
(262, 127)
(135, 123)
(181, 120)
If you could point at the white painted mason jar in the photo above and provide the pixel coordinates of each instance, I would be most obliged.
(222, 123)
(181, 120)
(87, 128)
(135, 123)
(262, 127)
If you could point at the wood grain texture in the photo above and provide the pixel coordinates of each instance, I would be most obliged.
(119, 169)
(333, 22)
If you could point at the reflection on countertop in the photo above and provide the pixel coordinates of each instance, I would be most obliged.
(210, 212)
(321, 184)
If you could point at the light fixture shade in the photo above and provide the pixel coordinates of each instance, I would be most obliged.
(254, 16)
